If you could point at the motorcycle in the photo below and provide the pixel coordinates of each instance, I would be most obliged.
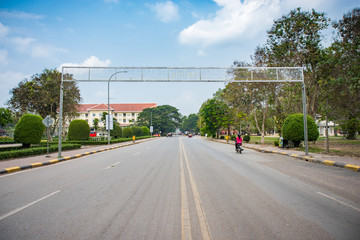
(239, 148)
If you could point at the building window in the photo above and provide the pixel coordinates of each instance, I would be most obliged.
(124, 114)
(115, 114)
(124, 120)
(93, 114)
(86, 115)
(133, 114)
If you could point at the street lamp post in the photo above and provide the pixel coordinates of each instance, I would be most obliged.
(108, 122)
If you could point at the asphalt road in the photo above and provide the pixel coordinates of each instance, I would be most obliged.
(181, 188)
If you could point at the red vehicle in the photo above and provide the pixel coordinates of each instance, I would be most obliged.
(93, 134)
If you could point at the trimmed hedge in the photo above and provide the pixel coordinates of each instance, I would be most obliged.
(29, 130)
(118, 140)
(116, 132)
(293, 129)
(79, 130)
(127, 132)
(35, 151)
(145, 131)
(137, 131)
(246, 138)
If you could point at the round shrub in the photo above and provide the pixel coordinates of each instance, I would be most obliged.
(233, 137)
(352, 128)
(222, 137)
(127, 132)
(145, 131)
(246, 138)
(137, 131)
(79, 130)
(116, 132)
(276, 143)
(293, 129)
(29, 130)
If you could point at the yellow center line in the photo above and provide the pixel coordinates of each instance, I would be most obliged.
(205, 232)
(185, 215)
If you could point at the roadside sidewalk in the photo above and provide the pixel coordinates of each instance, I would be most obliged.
(17, 164)
(330, 160)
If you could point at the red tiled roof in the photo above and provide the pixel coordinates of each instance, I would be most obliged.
(117, 107)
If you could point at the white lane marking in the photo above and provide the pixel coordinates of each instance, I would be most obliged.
(341, 202)
(136, 153)
(28, 205)
(112, 165)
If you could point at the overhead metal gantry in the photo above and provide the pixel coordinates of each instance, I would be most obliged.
(182, 74)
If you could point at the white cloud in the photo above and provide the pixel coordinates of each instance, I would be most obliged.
(9, 80)
(201, 53)
(92, 61)
(234, 20)
(20, 15)
(3, 57)
(36, 49)
(22, 44)
(166, 11)
(4, 30)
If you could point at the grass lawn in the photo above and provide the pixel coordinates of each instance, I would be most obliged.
(338, 145)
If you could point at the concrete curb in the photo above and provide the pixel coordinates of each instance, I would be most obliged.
(305, 158)
(57, 160)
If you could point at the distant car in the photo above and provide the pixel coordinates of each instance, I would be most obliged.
(169, 134)
(190, 135)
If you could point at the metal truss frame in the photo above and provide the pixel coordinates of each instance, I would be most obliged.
(183, 74)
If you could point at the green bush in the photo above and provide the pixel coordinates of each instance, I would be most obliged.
(352, 126)
(6, 140)
(293, 129)
(145, 131)
(222, 137)
(35, 151)
(246, 138)
(233, 137)
(29, 130)
(137, 131)
(127, 132)
(276, 143)
(79, 130)
(116, 132)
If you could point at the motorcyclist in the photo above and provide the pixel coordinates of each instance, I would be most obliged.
(238, 141)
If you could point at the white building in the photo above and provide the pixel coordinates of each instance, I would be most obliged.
(322, 126)
(123, 113)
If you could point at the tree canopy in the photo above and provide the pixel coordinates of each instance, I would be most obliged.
(40, 94)
(164, 118)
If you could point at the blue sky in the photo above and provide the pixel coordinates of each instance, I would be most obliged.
(40, 34)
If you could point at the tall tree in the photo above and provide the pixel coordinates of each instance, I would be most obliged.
(189, 123)
(164, 118)
(345, 66)
(5, 117)
(41, 94)
(295, 40)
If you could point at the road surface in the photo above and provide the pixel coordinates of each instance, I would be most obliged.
(181, 188)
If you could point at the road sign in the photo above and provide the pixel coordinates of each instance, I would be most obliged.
(151, 129)
(48, 121)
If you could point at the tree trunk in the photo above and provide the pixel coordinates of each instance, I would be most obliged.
(327, 147)
(257, 124)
